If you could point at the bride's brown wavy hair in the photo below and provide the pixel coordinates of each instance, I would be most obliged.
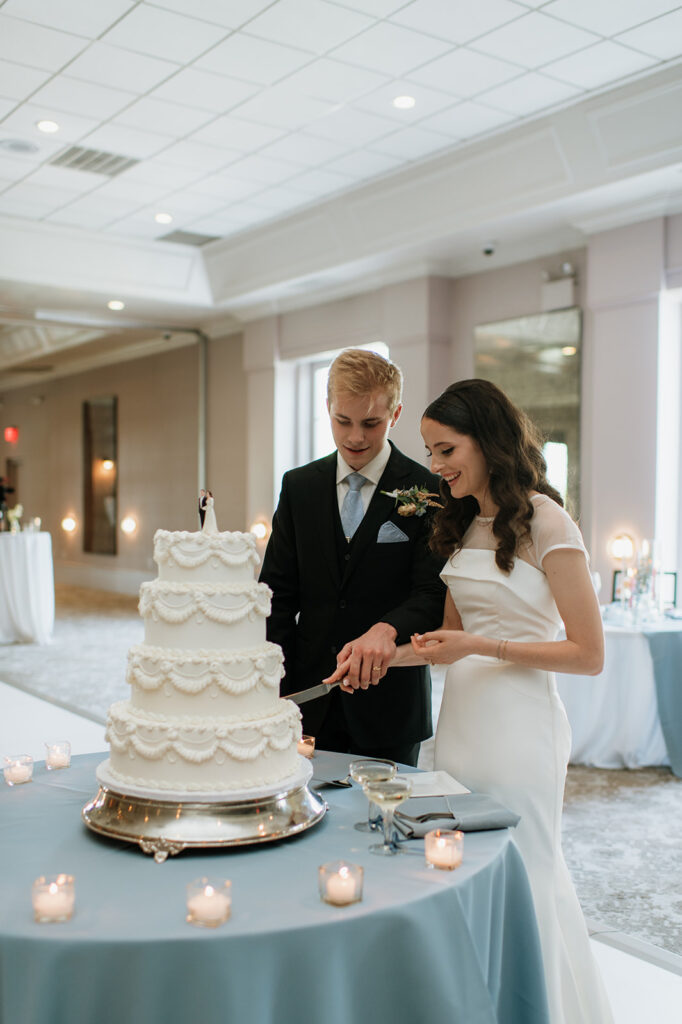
(512, 448)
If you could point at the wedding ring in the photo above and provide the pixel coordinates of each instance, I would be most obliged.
(376, 668)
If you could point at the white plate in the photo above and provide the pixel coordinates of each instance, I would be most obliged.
(433, 784)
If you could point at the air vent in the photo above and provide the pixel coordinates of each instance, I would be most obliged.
(96, 161)
(20, 146)
(188, 238)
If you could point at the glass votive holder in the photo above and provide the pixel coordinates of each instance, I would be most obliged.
(209, 904)
(57, 755)
(340, 883)
(53, 898)
(17, 768)
(443, 849)
(306, 746)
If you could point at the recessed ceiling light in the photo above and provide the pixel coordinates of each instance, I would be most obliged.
(49, 127)
(404, 102)
(163, 218)
(116, 304)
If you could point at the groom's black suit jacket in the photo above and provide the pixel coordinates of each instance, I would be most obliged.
(327, 591)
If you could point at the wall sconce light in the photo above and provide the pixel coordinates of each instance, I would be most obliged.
(129, 524)
(11, 435)
(621, 547)
(107, 465)
(69, 524)
(261, 529)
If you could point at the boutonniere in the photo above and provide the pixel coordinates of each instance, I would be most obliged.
(414, 501)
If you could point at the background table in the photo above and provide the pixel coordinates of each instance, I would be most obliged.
(614, 716)
(26, 587)
(424, 944)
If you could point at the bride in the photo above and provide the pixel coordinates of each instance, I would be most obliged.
(516, 570)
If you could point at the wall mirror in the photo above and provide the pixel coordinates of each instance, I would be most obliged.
(100, 473)
(536, 361)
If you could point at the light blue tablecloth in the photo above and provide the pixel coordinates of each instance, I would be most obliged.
(666, 655)
(426, 945)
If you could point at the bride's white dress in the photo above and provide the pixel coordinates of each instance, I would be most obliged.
(210, 524)
(503, 730)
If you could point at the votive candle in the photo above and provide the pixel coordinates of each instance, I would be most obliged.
(53, 898)
(306, 746)
(340, 883)
(18, 768)
(209, 904)
(58, 755)
(443, 849)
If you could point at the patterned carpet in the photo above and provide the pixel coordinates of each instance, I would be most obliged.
(622, 829)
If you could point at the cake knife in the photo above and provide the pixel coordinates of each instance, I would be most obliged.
(321, 690)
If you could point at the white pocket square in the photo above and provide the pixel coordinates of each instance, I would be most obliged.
(389, 533)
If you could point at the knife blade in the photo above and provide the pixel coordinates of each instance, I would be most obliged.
(321, 690)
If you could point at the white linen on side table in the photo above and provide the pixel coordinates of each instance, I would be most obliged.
(614, 716)
(26, 588)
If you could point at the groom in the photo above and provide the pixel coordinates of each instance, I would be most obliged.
(347, 570)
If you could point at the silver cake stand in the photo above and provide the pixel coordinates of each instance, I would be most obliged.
(166, 827)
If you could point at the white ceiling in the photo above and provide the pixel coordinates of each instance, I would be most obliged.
(247, 113)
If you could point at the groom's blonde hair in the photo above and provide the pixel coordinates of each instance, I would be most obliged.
(356, 371)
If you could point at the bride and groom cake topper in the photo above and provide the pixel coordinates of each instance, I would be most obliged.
(207, 519)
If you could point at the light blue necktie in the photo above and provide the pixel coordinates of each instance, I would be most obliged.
(352, 510)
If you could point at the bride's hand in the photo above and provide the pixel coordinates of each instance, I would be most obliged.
(442, 646)
(340, 675)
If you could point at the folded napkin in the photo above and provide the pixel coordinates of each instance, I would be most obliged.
(469, 812)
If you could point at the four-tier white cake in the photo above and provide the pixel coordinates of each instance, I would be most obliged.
(204, 717)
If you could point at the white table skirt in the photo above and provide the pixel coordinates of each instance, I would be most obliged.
(26, 588)
(614, 716)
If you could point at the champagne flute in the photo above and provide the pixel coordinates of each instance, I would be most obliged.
(387, 795)
(371, 769)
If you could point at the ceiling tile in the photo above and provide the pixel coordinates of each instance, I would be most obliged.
(391, 49)
(465, 73)
(606, 17)
(71, 128)
(468, 119)
(85, 98)
(534, 39)
(230, 13)
(196, 154)
(66, 178)
(135, 226)
(376, 8)
(82, 17)
(35, 45)
(412, 143)
(457, 20)
(18, 81)
(12, 169)
(364, 164)
(259, 168)
(164, 34)
(120, 69)
(93, 212)
(12, 206)
(315, 23)
(282, 199)
(138, 192)
(183, 204)
(236, 134)
(254, 60)
(427, 101)
(168, 118)
(226, 188)
(529, 93)
(320, 182)
(350, 126)
(599, 64)
(660, 37)
(37, 195)
(6, 106)
(205, 89)
(303, 149)
(166, 175)
(331, 80)
(117, 138)
(283, 107)
(247, 214)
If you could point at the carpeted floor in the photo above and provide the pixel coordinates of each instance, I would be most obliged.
(622, 829)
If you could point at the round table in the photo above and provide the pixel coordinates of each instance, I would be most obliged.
(421, 944)
(26, 588)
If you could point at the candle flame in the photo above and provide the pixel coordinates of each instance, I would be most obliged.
(344, 872)
(53, 888)
(209, 890)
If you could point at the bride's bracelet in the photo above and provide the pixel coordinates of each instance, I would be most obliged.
(501, 648)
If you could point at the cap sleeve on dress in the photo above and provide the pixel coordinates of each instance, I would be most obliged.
(551, 527)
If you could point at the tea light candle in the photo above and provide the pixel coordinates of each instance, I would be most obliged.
(306, 746)
(443, 849)
(58, 755)
(209, 904)
(340, 883)
(18, 768)
(53, 898)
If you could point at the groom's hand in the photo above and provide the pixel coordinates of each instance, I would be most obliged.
(368, 657)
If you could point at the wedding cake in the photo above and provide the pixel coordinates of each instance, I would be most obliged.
(204, 717)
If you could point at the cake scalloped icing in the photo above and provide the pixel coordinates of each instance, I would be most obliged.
(204, 713)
